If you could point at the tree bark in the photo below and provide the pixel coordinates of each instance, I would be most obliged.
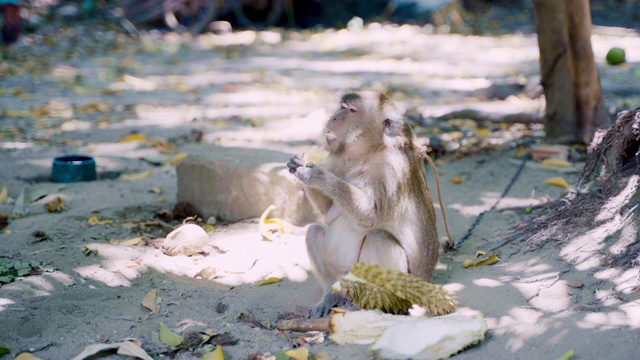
(570, 79)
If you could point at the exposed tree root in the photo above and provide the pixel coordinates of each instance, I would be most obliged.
(604, 207)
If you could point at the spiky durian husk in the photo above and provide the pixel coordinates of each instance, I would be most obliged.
(374, 287)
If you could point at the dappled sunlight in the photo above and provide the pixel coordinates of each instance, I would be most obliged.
(604, 320)
(626, 281)
(100, 274)
(5, 303)
(522, 324)
(545, 292)
(454, 287)
(487, 282)
(584, 252)
(235, 258)
(613, 205)
(531, 266)
(488, 199)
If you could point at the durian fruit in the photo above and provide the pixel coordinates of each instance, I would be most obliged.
(429, 338)
(391, 291)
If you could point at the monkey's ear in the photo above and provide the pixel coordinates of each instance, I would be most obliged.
(393, 126)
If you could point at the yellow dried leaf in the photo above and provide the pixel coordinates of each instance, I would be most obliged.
(522, 151)
(128, 242)
(457, 180)
(136, 176)
(169, 337)
(480, 253)
(482, 132)
(467, 263)
(214, 355)
(133, 137)
(27, 356)
(95, 221)
(488, 261)
(178, 157)
(152, 301)
(3, 194)
(269, 227)
(156, 190)
(56, 205)
(557, 181)
(556, 162)
(134, 264)
(206, 273)
(300, 353)
(268, 281)
(209, 228)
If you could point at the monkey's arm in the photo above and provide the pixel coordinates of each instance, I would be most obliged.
(320, 201)
(358, 203)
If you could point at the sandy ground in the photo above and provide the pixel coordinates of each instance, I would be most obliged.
(538, 304)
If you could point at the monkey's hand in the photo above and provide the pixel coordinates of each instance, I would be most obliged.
(303, 170)
(329, 301)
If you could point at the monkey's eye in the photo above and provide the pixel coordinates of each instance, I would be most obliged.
(353, 109)
(344, 106)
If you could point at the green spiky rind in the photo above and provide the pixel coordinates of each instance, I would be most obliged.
(382, 288)
(368, 296)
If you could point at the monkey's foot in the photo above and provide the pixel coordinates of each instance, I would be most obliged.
(330, 301)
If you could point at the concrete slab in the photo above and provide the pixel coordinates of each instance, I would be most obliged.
(235, 183)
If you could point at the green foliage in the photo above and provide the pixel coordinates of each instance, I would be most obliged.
(12, 271)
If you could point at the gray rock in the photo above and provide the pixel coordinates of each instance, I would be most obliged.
(233, 184)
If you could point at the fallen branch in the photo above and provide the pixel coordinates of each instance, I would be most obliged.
(476, 115)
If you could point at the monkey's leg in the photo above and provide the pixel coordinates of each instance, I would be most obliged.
(382, 248)
(331, 256)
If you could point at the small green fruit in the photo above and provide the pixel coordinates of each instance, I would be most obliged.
(615, 56)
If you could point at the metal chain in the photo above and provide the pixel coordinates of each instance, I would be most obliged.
(481, 215)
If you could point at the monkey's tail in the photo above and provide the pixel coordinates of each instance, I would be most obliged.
(448, 245)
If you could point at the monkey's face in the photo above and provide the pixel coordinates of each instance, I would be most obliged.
(361, 125)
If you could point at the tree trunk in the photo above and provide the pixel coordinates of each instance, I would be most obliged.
(568, 70)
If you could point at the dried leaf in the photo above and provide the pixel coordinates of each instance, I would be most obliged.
(95, 221)
(488, 261)
(575, 284)
(129, 347)
(214, 355)
(556, 162)
(467, 263)
(480, 253)
(168, 337)
(207, 273)
(87, 251)
(268, 281)
(457, 180)
(128, 242)
(55, 206)
(152, 301)
(133, 137)
(178, 157)
(301, 353)
(557, 181)
(3, 194)
(136, 176)
(27, 356)
(156, 190)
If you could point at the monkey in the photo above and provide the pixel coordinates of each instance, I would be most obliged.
(373, 194)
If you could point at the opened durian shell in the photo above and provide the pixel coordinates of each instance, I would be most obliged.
(188, 239)
(374, 287)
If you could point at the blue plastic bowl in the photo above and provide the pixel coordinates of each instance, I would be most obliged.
(72, 168)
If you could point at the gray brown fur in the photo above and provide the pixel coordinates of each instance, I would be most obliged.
(373, 193)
